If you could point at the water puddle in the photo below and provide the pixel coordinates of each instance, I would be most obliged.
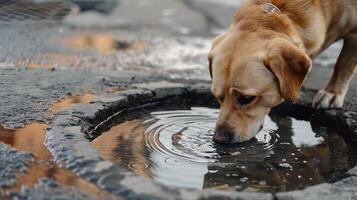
(65, 103)
(175, 148)
(50, 61)
(31, 139)
(101, 43)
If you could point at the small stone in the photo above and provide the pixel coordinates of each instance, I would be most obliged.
(342, 190)
(353, 171)
(236, 153)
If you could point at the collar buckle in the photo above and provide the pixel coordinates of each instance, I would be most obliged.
(270, 8)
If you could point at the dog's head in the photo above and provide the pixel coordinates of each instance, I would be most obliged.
(251, 73)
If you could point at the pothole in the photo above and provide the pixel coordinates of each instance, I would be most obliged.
(171, 142)
(156, 142)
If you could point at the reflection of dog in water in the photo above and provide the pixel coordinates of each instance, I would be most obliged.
(265, 56)
(288, 167)
(125, 145)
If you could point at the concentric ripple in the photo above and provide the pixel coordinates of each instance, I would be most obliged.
(187, 134)
(175, 148)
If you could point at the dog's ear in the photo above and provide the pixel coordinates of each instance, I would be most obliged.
(215, 42)
(210, 67)
(290, 65)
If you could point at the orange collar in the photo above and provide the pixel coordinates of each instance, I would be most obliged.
(270, 8)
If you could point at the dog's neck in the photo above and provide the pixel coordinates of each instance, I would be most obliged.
(312, 24)
(268, 20)
(308, 25)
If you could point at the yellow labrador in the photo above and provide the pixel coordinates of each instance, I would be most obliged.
(265, 56)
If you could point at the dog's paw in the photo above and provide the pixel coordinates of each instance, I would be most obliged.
(328, 100)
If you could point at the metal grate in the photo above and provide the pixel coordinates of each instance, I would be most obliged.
(27, 11)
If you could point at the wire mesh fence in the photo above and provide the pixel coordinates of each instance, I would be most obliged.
(30, 11)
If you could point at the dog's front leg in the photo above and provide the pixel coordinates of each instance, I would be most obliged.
(333, 95)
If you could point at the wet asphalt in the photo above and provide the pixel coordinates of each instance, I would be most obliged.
(139, 42)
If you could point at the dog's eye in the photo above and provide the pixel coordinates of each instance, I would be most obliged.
(245, 100)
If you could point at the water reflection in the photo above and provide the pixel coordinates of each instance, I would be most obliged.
(101, 43)
(31, 139)
(175, 148)
(50, 61)
(60, 105)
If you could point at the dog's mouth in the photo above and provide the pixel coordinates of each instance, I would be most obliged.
(224, 135)
(170, 141)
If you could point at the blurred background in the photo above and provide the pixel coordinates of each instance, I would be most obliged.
(52, 49)
(112, 34)
(58, 48)
(150, 35)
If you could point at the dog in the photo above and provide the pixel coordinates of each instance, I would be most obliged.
(266, 54)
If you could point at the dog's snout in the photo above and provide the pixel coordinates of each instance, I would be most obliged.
(223, 136)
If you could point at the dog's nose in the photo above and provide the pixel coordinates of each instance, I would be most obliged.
(222, 136)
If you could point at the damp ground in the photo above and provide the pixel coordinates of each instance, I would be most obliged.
(175, 148)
